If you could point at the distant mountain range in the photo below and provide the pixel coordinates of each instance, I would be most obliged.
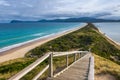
(82, 19)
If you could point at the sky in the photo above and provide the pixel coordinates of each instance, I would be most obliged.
(54, 9)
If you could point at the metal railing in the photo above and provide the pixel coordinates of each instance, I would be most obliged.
(49, 67)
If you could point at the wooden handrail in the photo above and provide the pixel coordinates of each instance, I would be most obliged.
(40, 73)
(55, 54)
(29, 68)
(50, 66)
(91, 69)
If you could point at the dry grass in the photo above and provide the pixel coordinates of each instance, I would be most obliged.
(15, 60)
(106, 67)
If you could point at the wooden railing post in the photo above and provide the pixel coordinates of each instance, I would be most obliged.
(81, 55)
(67, 62)
(78, 55)
(51, 65)
(75, 57)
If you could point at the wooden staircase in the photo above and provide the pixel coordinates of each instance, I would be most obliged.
(77, 71)
(81, 69)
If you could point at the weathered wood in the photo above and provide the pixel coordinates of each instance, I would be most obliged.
(57, 54)
(29, 68)
(50, 65)
(77, 71)
(67, 61)
(79, 55)
(50, 55)
(68, 67)
(39, 74)
(75, 57)
(91, 69)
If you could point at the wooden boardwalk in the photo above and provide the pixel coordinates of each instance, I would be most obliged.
(77, 71)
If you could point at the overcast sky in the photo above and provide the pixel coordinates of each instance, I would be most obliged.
(52, 9)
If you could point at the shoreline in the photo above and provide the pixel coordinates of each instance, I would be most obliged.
(113, 41)
(20, 51)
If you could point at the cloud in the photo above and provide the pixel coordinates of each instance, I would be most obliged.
(50, 9)
(4, 3)
(27, 5)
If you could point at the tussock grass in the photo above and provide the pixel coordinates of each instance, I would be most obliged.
(105, 66)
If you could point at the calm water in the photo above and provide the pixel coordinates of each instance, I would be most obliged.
(110, 29)
(14, 34)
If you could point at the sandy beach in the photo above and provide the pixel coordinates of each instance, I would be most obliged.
(19, 52)
(110, 40)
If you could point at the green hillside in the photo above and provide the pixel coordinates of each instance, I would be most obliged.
(83, 39)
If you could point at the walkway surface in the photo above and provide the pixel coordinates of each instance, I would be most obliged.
(78, 71)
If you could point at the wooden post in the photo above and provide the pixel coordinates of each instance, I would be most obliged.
(89, 49)
(75, 57)
(78, 55)
(81, 55)
(67, 61)
(51, 65)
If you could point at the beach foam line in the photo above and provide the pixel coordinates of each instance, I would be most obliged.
(23, 43)
(37, 34)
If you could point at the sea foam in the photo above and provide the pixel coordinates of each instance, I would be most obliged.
(23, 43)
(37, 34)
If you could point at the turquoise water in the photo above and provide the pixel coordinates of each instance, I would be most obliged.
(110, 29)
(13, 34)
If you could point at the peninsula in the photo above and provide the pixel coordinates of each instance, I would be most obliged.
(88, 37)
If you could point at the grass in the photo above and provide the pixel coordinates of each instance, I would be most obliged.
(83, 39)
(9, 68)
(105, 66)
(59, 63)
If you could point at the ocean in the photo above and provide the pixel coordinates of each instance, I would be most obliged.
(16, 34)
(112, 30)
